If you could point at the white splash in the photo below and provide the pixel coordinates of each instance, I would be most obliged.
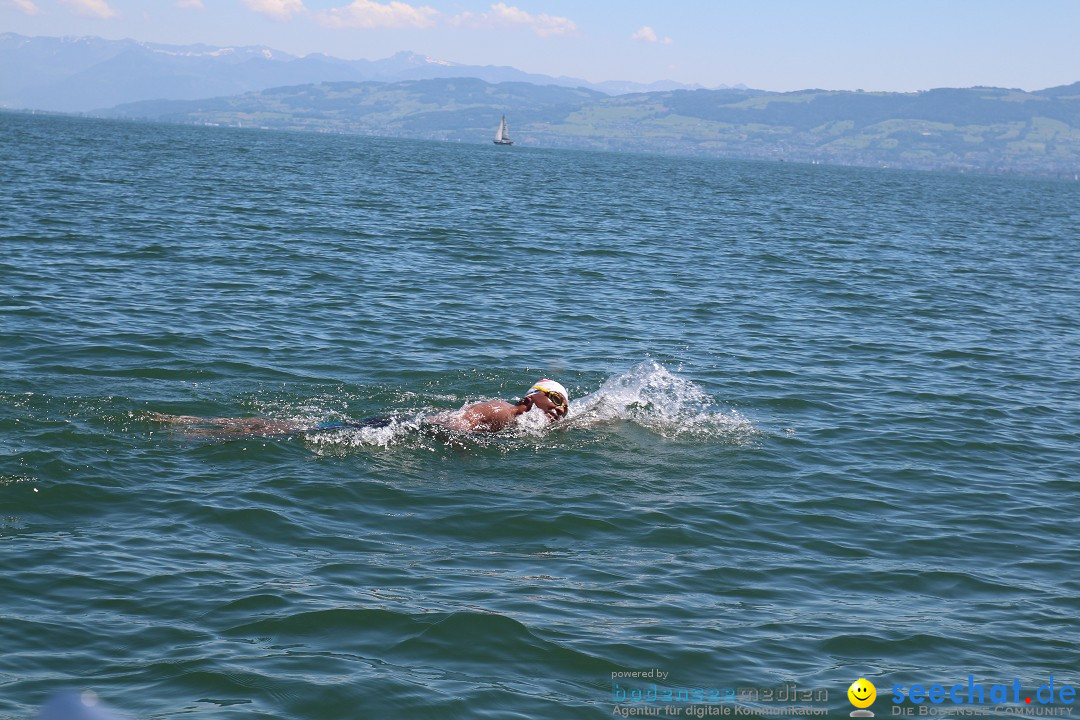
(657, 399)
(394, 433)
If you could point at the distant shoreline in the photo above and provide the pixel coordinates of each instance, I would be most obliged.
(1064, 174)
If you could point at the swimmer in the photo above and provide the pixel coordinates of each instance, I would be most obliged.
(548, 396)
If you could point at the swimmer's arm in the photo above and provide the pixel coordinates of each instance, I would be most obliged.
(490, 416)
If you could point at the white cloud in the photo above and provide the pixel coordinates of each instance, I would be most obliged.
(192, 4)
(97, 8)
(503, 15)
(648, 35)
(369, 14)
(280, 9)
(27, 6)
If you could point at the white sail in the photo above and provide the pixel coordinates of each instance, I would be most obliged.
(502, 135)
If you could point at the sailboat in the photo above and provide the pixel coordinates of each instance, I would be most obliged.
(502, 135)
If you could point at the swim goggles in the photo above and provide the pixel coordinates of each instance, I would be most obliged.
(554, 397)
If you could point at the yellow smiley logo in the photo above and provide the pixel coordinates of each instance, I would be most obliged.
(862, 693)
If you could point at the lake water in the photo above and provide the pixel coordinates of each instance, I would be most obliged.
(824, 425)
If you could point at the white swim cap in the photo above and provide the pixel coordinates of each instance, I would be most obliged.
(549, 386)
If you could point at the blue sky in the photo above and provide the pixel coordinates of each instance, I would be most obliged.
(767, 44)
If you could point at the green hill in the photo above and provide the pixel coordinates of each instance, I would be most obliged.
(971, 129)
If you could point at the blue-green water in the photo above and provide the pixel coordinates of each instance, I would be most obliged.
(824, 425)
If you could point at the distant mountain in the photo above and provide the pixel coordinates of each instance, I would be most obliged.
(86, 73)
(1062, 91)
(437, 108)
(409, 95)
(976, 129)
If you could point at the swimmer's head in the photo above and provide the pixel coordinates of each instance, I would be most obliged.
(555, 392)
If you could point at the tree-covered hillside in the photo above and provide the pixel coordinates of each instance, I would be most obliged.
(977, 129)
